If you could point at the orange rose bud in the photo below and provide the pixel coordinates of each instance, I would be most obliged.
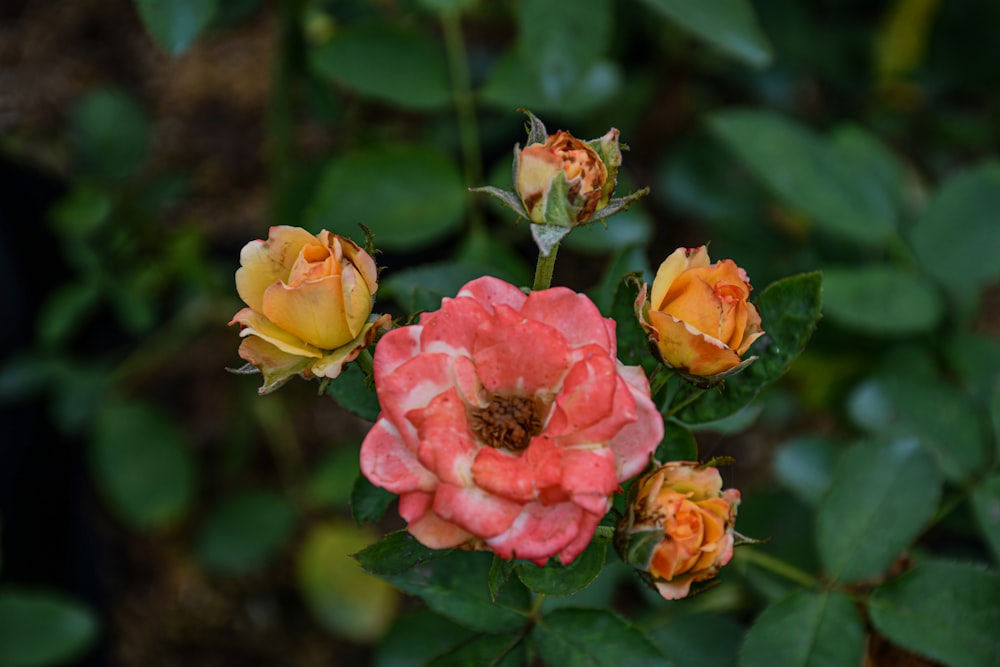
(309, 302)
(698, 316)
(679, 527)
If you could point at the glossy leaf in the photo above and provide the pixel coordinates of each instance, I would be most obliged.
(942, 418)
(678, 444)
(881, 497)
(175, 24)
(456, 585)
(408, 196)
(351, 391)
(881, 300)
(729, 25)
(244, 532)
(485, 651)
(557, 579)
(957, 236)
(369, 502)
(142, 465)
(805, 466)
(508, 88)
(344, 600)
(593, 638)
(699, 640)
(560, 40)
(808, 174)
(395, 554)
(38, 628)
(386, 62)
(943, 610)
(417, 637)
(986, 508)
(789, 309)
(806, 629)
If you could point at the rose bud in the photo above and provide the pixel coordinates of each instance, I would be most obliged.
(679, 527)
(309, 301)
(698, 318)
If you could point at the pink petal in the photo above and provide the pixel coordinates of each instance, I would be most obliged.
(387, 462)
(413, 385)
(490, 292)
(590, 477)
(540, 532)
(588, 397)
(475, 510)
(452, 329)
(516, 355)
(573, 315)
(636, 441)
(585, 534)
(446, 446)
(519, 478)
(394, 349)
(430, 530)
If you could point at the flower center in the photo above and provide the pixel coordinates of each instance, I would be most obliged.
(508, 422)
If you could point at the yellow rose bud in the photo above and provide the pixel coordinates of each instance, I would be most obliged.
(698, 314)
(564, 180)
(679, 527)
(309, 299)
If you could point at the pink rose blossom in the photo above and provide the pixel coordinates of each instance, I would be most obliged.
(508, 422)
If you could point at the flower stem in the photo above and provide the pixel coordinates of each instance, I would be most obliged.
(543, 269)
(688, 400)
(778, 566)
(465, 108)
(366, 362)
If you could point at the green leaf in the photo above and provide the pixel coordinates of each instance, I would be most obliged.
(395, 554)
(386, 62)
(344, 600)
(789, 309)
(810, 174)
(351, 391)
(986, 507)
(628, 260)
(560, 40)
(678, 444)
(943, 610)
(942, 418)
(175, 24)
(728, 25)
(881, 300)
(633, 343)
(65, 310)
(369, 502)
(110, 134)
(40, 628)
(485, 651)
(883, 185)
(884, 489)
(456, 585)
(957, 236)
(593, 638)
(142, 465)
(83, 211)
(557, 579)
(806, 629)
(244, 532)
(805, 465)
(699, 640)
(415, 638)
(422, 287)
(630, 228)
(409, 196)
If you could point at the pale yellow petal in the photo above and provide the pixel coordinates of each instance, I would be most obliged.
(672, 266)
(313, 311)
(254, 324)
(263, 263)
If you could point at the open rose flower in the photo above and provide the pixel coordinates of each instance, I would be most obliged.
(679, 527)
(309, 302)
(507, 421)
(698, 316)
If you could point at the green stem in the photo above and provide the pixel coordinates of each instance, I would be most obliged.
(777, 566)
(465, 109)
(604, 532)
(688, 400)
(537, 606)
(366, 362)
(280, 114)
(543, 269)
